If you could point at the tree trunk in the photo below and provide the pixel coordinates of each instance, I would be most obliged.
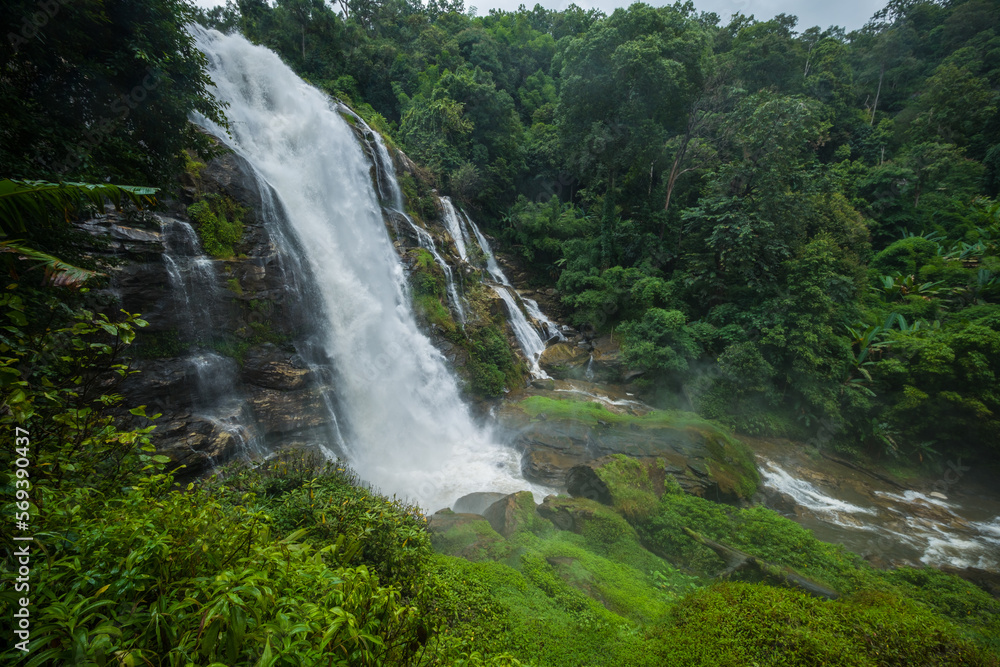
(878, 92)
(739, 562)
(675, 169)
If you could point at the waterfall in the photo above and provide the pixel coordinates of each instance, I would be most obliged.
(404, 425)
(192, 277)
(454, 226)
(389, 191)
(551, 329)
(194, 284)
(528, 338)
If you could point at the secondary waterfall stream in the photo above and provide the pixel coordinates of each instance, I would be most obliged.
(405, 426)
(392, 196)
(528, 337)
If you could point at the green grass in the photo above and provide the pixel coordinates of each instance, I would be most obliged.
(592, 413)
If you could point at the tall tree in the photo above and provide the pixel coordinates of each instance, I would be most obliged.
(93, 79)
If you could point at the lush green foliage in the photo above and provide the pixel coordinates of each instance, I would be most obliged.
(218, 220)
(291, 562)
(712, 628)
(786, 229)
(85, 81)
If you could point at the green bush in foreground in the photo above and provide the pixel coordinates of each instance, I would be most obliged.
(730, 625)
(312, 571)
(179, 578)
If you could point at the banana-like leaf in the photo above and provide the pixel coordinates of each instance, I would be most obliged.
(57, 272)
(24, 203)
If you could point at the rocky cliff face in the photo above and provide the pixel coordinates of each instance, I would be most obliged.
(227, 358)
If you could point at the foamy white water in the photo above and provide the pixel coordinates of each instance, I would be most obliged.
(454, 226)
(405, 427)
(806, 494)
(528, 337)
(388, 185)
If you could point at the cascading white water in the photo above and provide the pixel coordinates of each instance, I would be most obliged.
(426, 242)
(551, 329)
(531, 343)
(190, 273)
(454, 226)
(405, 426)
(910, 525)
(389, 190)
(528, 337)
(194, 282)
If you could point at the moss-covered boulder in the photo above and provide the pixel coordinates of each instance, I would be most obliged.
(565, 440)
(515, 513)
(631, 486)
(576, 514)
(468, 536)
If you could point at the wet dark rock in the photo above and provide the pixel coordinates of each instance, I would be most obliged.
(232, 308)
(578, 358)
(547, 466)
(468, 536)
(280, 412)
(511, 513)
(476, 503)
(269, 367)
(194, 445)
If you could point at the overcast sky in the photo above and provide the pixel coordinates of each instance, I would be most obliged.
(849, 14)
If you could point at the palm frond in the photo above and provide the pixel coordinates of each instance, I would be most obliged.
(57, 272)
(37, 202)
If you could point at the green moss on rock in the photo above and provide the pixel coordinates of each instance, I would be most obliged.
(468, 536)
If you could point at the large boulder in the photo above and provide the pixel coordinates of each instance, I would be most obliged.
(599, 359)
(515, 513)
(468, 536)
(194, 445)
(476, 503)
(565, 359)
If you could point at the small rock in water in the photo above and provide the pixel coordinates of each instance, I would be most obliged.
(938, 495)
